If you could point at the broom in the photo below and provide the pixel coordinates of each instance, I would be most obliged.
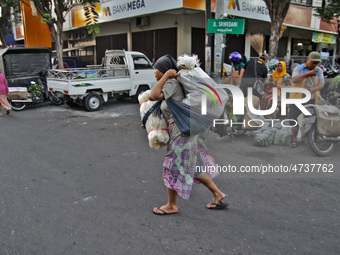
(256, 41)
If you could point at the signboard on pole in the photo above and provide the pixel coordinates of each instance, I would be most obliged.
(225, 26)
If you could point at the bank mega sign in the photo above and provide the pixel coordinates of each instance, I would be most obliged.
(253, 9)
(120, 9)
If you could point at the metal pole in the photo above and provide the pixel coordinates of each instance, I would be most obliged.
(220, 8)
(232, 72)
(208, 56)
(223, 52)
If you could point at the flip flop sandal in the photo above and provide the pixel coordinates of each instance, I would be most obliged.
(163, 212)
(218, 206)
(293, 144)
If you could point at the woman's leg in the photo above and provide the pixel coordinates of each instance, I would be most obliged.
(295, 131)
(217, 193)
(171, 206)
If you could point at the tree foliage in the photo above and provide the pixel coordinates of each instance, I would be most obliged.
(53, 13)
(277, 11)
(91, 16)
(327, 13)
(9, 8)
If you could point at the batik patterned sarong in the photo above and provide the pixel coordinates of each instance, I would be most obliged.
(4, 103)
(184, 153)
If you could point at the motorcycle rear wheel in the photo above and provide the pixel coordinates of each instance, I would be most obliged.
(318, 146)
(17, 106)
(55, 99)
(238, 131)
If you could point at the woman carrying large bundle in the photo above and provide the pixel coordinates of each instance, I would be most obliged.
(184, 152)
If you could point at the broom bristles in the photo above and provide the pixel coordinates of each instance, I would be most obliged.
(256, 41)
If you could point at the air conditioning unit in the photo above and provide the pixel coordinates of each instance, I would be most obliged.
(142, 21)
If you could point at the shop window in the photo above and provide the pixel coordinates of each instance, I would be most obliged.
(301, 47)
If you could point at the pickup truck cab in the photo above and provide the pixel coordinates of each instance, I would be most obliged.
(123, 73)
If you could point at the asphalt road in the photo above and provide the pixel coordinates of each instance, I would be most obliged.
(77, 182)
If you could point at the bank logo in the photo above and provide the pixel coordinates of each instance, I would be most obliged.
(210, 94)
(124, 7)
(235, 4)
(106, 12)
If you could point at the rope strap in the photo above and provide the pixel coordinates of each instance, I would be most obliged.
(140, 105)
(157, 129)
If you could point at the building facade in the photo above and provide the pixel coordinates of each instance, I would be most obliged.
(158, 27)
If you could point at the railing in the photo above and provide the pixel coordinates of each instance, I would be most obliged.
(88, 73)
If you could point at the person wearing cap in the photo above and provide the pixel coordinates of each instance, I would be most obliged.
(310, 77)
(253, 70)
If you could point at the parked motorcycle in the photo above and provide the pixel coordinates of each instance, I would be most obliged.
(36, 93)
(266, 100)
(272, 64)
(224, 126)
(329, 71)
(322, 127)
(230, 124)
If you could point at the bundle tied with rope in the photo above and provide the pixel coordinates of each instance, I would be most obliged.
(153, 121)
(197, 86)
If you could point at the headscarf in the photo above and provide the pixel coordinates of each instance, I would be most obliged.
(278, 74)
(166, 63)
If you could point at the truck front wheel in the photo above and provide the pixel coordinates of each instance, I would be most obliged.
(142, 89)
(93, 102)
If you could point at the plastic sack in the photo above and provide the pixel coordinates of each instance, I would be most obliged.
(198, 86)
(197, 83)
(328, 120)
(189, 120)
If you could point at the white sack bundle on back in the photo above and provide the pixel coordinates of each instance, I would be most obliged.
(196, 83)
(155, 126)
(198, 87)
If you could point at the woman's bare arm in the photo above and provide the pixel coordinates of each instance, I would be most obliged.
(156, 92)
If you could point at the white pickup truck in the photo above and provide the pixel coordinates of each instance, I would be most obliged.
(123, 73)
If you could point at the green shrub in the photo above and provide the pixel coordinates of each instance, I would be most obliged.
(334, 85)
